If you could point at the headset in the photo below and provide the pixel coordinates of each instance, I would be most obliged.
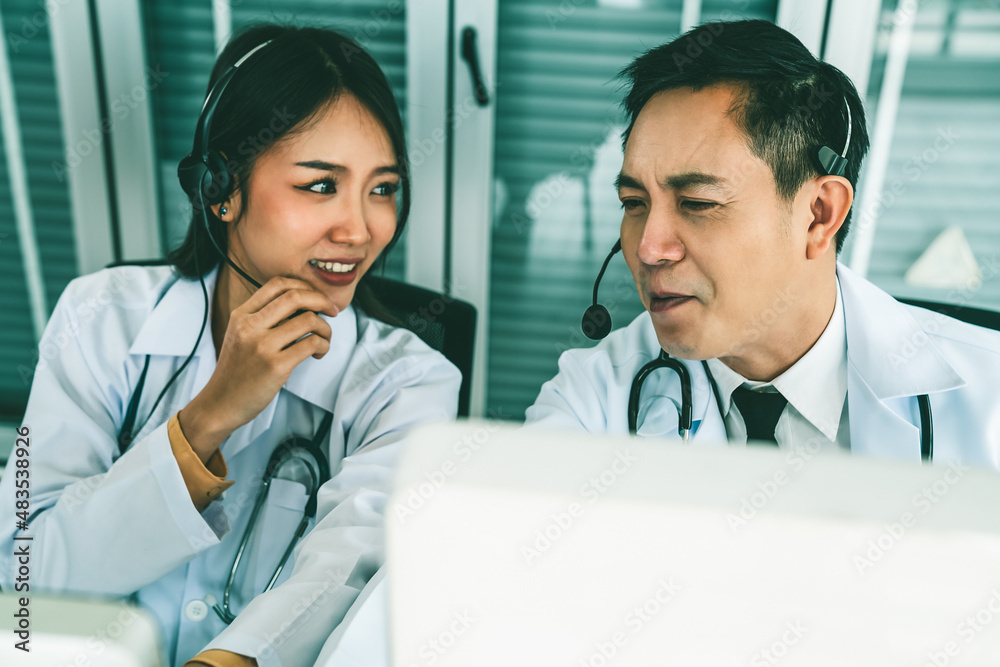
(205, 178)
(203, 173)
(596, 325)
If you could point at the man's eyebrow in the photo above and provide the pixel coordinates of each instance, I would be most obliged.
(623, 180)
(682, 181)
(676, 182)
(323, 165)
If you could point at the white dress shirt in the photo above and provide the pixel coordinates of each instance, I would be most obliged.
(815, 387)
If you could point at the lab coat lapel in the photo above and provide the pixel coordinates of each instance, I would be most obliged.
(890, 360)
(876, 430)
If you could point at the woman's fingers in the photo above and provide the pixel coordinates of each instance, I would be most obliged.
(279, 298)
(299, 326)
(290, 304)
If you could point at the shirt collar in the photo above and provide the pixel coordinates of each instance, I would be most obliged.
(815, 385)
(318, 380)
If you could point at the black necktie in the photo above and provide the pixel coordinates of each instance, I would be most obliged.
(760, 411)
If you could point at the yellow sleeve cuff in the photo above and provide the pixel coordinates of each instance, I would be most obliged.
(205, 481)
(217, 658)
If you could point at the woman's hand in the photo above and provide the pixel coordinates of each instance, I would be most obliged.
(266, 338)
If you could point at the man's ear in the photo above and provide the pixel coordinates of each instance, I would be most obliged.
(831, 201)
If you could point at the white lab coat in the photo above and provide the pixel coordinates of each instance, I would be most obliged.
(123, 525)
(895, 352)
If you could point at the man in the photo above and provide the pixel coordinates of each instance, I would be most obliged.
(733, 217)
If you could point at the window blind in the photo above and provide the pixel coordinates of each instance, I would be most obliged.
(180, 40)
(944, 166)
(29, 51)
(558, 150)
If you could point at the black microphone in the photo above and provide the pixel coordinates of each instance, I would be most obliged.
(596, 322)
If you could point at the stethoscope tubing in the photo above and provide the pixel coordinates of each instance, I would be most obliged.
(318, 476)
(686, 410)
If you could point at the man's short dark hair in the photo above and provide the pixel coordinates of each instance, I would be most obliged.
(788, 103)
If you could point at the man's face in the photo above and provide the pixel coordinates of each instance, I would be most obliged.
(716, 254)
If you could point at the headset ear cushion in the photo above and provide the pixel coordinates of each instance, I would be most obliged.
(216, 189)
(191, 173)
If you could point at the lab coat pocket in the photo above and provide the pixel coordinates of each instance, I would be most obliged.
(278, 521)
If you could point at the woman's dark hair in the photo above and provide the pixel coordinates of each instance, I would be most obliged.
(274, 93)
(788, 103)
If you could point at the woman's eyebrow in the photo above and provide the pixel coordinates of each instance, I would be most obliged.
(323, 165)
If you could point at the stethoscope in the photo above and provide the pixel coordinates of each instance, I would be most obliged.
(596, 325)
(297, 450)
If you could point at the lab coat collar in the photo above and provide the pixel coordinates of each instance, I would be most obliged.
(886, 347)
(172, 327)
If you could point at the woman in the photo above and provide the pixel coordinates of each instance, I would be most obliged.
(127, 493)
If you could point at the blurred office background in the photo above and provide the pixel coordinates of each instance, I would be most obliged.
(514, 204)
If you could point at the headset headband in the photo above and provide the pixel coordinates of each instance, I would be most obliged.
(201, 133)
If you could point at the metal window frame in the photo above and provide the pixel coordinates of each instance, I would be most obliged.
(129, 129)
(472, 195)
(426, 64)
(806, 19)
(130, 82)
(79, 110)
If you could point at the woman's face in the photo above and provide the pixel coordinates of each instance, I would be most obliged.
(322, 203)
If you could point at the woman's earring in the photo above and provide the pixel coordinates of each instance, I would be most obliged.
(223, 210)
